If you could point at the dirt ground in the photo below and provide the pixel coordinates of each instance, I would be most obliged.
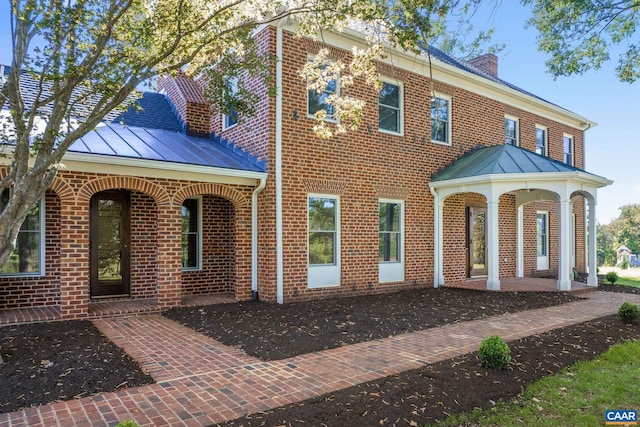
(48, 362)
(272, 331)
(432, 393)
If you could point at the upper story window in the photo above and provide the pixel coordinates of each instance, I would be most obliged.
(192, 234)
(318, 100)
(27, 258)
(567, 142)
(230, 119)
(511, 131)
(441, 119)
(542, 140)
(390, 108)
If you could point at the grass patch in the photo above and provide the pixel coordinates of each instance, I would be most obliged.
(629, 281)
(577, 396)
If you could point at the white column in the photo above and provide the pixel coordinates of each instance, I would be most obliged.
(437, 238)
(493, 254)
(520, 241)
(592, 280)
(564, 246)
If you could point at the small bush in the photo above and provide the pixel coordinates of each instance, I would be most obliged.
(612, 277)
(494, 352)
(624, 264)
(128, 423)
(628, 312)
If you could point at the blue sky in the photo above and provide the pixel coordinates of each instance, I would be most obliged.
(612, 148)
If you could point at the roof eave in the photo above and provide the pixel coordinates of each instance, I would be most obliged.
(526, 178)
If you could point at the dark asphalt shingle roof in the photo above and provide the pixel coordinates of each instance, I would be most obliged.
(500, 159)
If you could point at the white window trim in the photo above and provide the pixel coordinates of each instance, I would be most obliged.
(546, 139)
(400, 85)
(323, 276)
(224, 123)
(327, 118)
(517, 121)
(449, 109)
(43, 245)
(573, 148)
(225, 116)
(393, 271)
(198, 267)
(546, 265)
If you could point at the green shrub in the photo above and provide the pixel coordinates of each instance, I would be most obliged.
(128, 423)
(624, 264)
(612, 277)
(628, 312)
(494, 352)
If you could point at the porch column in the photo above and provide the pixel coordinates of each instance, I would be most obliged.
(520, 241)
(169, 273)
(564, 247)
(592, 279)
(493, 253)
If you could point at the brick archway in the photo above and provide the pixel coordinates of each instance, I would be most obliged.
(238, 199)
(159, 194)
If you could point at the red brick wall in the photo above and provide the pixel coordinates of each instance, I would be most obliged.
(365, 165)
(16, 292)
(155, 241)
(144, 243)
(218, 250)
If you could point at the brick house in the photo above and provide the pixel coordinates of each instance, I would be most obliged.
(462, 176)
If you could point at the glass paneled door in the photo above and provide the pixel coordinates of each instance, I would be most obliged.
(476, 241)
(109, 244)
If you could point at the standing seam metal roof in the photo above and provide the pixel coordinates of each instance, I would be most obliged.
(500, 159)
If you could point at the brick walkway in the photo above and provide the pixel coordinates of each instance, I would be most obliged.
(200, 381)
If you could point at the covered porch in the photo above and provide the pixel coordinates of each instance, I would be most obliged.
(522, 284)
(505, 179)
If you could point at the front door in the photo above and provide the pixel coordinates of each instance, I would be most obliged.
(476, 241)
(109, 244)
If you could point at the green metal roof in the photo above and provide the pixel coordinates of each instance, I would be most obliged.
(500, 159)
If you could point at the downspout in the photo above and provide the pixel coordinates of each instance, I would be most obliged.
(254, 238)
(278, 166)
(436, 228)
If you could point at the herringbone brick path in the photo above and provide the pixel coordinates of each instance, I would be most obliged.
(200, 381)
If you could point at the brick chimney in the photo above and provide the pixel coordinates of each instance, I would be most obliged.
(487, 63)
(188, 102)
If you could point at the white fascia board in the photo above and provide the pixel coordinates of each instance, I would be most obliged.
(79, 162)
(419, 64)
(158, 169)
(525, 179)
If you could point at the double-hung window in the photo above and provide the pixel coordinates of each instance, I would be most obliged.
(323, 240)
(441, 120)
(192, 234)
(27, 258)
(567, 142)
(390, 108)
(317, 101)
(541, 140)
(511, 131)
(390, 240)
(230, 118)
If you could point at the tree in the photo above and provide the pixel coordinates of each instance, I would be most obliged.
(580, 33)
(606, 252)
(88, 57)
(626, 227)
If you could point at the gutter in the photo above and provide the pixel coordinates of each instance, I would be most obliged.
(437, 241)
(254, 237)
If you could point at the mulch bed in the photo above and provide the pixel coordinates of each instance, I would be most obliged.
(280, 331)
(619, 288)
(432, 393)
(47, 362)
